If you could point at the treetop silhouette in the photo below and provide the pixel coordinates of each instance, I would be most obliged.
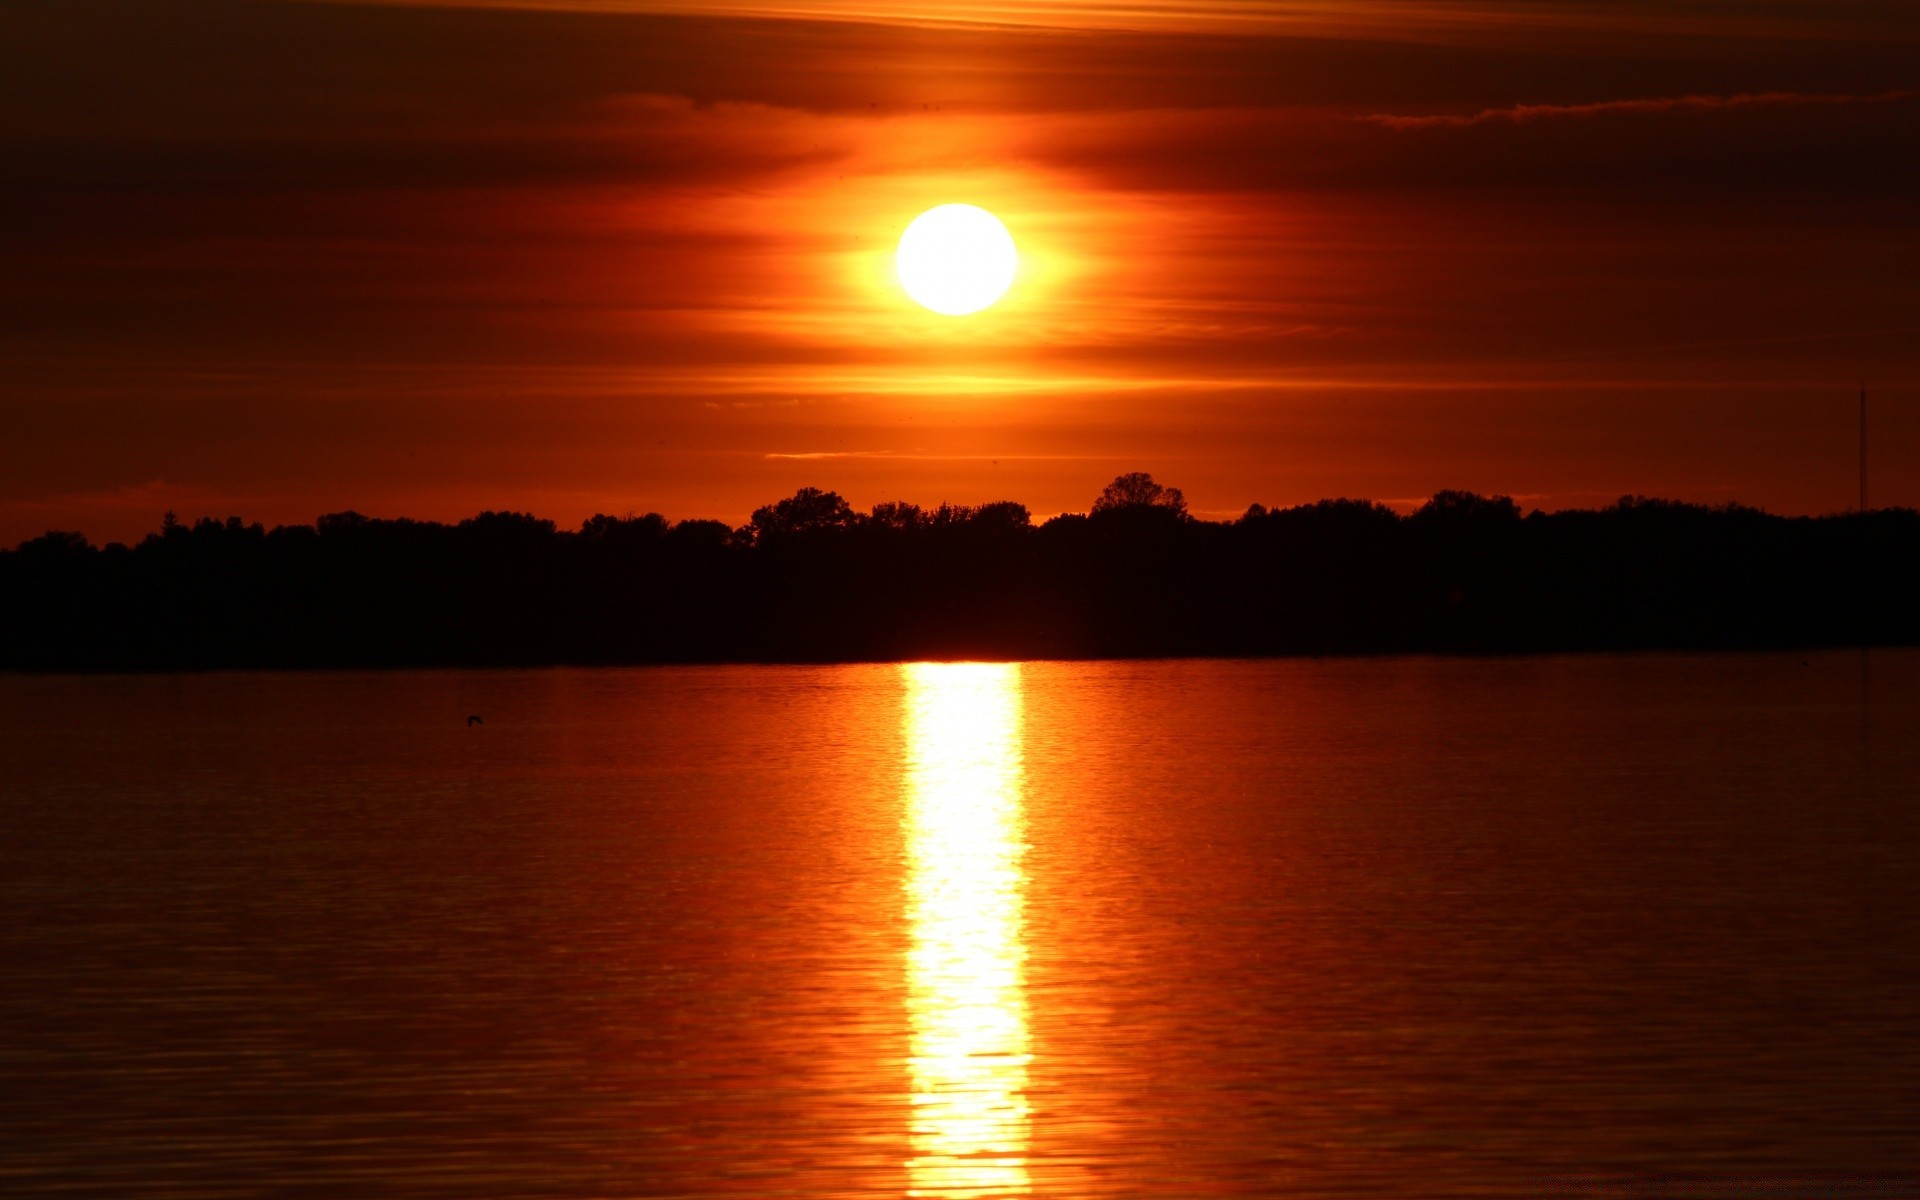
(811, 578)
(1137, 490)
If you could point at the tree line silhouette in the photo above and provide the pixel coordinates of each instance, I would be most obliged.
(809, 578)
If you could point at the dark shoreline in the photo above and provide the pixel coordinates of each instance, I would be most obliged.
(811, 581)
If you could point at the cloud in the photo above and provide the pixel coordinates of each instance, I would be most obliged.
(1401, 20)
(916, 456)
(1520, 114)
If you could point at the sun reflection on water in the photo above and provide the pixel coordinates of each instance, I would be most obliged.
(966, 835)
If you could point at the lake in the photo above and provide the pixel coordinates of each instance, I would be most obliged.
(1608, 925)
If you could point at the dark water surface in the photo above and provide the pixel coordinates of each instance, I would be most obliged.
(1643, 925)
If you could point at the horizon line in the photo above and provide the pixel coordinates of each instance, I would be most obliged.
(1400, 507)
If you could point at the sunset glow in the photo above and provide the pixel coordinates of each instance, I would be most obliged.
(979, 600)
(1270, 252)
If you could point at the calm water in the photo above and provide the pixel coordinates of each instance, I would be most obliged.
(1578, 926)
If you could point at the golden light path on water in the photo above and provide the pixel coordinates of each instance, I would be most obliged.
(966, 836)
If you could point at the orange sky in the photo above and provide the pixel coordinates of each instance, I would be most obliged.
(278, 259)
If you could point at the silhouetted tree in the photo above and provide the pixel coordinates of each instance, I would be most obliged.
(809, 579)
(710, 535)
(806, 511)
(55, 545)
(508, 525)
(628, 529)
(339, 523)
(1463, 508)
(897, 514)
(1003, 514)
(1136, 490)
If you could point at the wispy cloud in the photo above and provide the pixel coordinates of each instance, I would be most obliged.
(153, 496)
(916, 456)
(1520, 114)
(1397, 19)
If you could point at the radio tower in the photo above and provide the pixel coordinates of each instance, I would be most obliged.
(1863, 449)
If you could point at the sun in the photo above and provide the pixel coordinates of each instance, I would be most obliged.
(956, 259)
